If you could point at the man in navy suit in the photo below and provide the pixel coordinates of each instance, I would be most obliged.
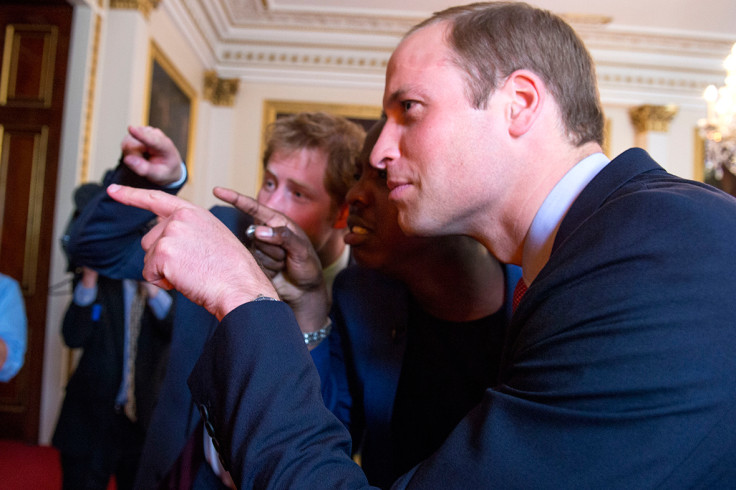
(618, 368)
(99, 433)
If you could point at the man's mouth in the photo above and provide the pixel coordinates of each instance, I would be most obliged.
(357, 225)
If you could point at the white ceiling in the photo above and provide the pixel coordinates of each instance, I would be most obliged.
(667, 48)
(684, 15)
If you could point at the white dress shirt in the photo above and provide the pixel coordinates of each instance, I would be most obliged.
(546, 222)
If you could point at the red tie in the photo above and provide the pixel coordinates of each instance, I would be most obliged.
(519, 291)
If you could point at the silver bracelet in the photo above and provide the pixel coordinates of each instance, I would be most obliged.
(314, 338)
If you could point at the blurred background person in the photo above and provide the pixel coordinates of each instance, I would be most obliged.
(124, 330)
(13, 328)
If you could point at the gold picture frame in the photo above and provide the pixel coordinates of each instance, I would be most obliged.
(699, 163)
(364, 115)
(171, 104)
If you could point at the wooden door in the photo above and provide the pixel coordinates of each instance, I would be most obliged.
(34, 43)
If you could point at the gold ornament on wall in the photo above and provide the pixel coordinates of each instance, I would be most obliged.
(652, 117)
(144, 6)
(220, 91)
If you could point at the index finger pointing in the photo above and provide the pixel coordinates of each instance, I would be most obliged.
(248, 205)
(158, 202)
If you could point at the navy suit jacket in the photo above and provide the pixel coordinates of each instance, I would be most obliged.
(361, 362)
(618, 369)
(107, 236)
(88, 412)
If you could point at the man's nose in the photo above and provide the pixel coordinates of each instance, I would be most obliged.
(386, 148)
(356, 194)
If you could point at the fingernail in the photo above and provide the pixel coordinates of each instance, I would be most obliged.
(264, 232)
(113, 187)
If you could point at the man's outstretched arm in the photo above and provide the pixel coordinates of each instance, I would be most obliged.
(265, 412)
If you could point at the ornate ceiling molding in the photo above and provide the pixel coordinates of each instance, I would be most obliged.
(251, 40)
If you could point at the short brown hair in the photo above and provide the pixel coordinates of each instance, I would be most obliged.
(339, 138)
(492, 40)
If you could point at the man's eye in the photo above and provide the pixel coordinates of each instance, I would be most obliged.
(407, 104)
(268, 184)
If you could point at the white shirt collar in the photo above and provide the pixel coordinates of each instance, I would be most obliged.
(546, 222)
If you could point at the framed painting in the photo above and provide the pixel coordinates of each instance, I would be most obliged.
(171, 104)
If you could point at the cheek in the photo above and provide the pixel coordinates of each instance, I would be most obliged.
(303, 220)
(310, 219)
(388, 218)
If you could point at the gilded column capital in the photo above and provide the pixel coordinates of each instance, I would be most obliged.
(652, 117)
(220, 91)
(144, 6)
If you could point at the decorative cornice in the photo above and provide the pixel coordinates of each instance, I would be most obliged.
(265, 41)
(652, 117)
(243, 13)
(220, 91)
(317, 58)
(144, 6)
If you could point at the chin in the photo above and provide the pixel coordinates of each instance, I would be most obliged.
(370, 261)
(413, 225)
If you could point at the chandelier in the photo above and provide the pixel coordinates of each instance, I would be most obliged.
(719, 128)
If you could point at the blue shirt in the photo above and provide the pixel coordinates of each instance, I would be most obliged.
(13, 326)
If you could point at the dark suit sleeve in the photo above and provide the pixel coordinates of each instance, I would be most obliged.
(268, 421)
(329, 359)
(107, 235)
(164, 325)
(79, 322)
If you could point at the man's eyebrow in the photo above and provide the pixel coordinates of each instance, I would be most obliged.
(301, 185)
(396, 95)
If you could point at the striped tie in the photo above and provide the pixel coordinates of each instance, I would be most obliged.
(133, 330)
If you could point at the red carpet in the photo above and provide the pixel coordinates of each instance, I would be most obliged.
(28, 467)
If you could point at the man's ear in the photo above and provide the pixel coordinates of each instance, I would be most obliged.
(341, 220)
(526, 92)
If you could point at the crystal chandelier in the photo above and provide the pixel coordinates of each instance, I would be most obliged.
(719, 128)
